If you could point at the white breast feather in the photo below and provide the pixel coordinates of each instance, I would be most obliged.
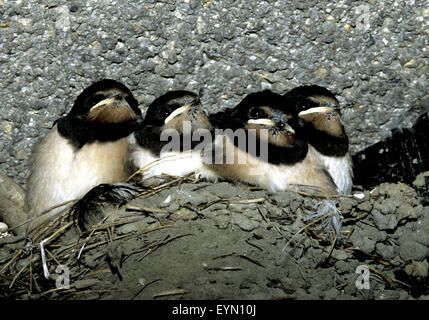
(271, 177)
(341, 171)
(169, 163)
(59, 173)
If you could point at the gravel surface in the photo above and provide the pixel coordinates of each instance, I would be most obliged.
(373, 55)
(220, 240)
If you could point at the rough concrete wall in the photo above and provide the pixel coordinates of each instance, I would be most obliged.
(373, 55)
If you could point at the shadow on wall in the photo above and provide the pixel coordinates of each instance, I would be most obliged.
(400, 157)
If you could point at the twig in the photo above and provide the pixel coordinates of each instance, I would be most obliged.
(305, 227)
(224, 269)
(53, 257)
(92, 232)
(42, 249)
(16, 277)
(170, 293)
(125, 236)
(157, 245)
(112, 229)
(385, 277)
(331, 249)
(245, 201)
(251, 260)
(145, 209)
(31, 268)
(11, 260)
(281, 233)
(43, 213)
(262, 214)
(144, 287)
(254, 245)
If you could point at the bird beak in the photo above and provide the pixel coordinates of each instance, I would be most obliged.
(182, 110)
(103, 103)
(177, 112)
(264, 122)
(317, 110)
(110, 101)
(271, 123)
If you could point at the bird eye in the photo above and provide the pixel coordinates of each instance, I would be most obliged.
(167, 110)
(256, 113)
(302, 104)
(93, 100)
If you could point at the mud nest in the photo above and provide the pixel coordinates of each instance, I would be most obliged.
(189, 239)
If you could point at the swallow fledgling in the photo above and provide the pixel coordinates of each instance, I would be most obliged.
(262, 148)
(85, 148)
(166, 142)
(323, 129)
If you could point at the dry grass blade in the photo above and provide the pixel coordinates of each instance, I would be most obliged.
(145, 209)
(385, 277)
(245, 201)
(254, 245)
(231, 201)
(16, 276)
(331, 249)
(224, 269)
(251, 260)
(94, 245)
(43, 213)
(92, 232)
(305, 227)
(170, 293)
(156, 245)
(144, 287)
(262, 214)
(115, 223)
(11, 260)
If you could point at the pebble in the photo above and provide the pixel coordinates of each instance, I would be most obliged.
(342, 267)
(340, 254)
(386, 252)
(3, 227)
(184, 214)
(365, 206)
(331, 294)
(224, 190)
(384, 221)
(244, 222)
(412, 250)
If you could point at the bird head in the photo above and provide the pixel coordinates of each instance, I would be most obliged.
(172, 109)
(106, 101)
(260, 111)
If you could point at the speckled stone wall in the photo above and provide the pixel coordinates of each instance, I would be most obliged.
(373, 55)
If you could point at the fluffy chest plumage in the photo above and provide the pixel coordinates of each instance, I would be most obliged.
(274, 177)
(61, 173)
(341, 171)
(169, 163)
